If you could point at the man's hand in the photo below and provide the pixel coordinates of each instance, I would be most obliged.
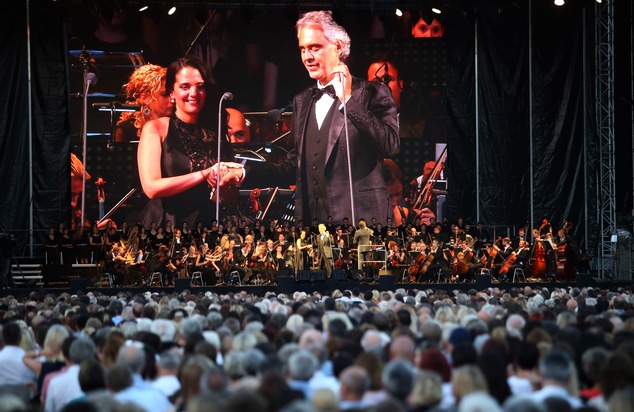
(342, 79)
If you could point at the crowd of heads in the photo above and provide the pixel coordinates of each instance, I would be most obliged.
(536, 349)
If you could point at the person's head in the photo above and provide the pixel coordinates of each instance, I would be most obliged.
(237, 127)
(146, 87)
(187, 82)
(323, 44)
(322, 228)
(385, 72)
(398, 378)
(354, 381)
(12, 334)
(556, 367)
(76, 179)
(423, 29)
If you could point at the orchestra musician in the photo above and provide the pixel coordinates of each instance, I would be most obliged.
(440, 262)
(343, 259)
(115, 265)
(502, 255)
(163, 266)
(395, 256)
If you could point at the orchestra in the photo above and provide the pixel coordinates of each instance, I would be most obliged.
(416, 254)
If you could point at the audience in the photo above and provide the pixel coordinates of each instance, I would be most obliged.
(403, 350)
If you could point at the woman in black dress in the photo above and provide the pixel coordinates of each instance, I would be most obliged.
(176, 153)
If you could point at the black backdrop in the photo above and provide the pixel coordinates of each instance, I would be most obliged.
(559, 190)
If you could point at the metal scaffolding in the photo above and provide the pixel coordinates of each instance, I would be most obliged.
(604, 112)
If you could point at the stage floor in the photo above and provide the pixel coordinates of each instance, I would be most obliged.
(314, 282)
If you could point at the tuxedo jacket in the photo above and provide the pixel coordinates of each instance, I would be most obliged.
(373, 135)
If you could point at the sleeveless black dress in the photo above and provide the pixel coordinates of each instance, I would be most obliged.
(186, 148)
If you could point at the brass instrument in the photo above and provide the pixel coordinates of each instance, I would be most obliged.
(424, 197)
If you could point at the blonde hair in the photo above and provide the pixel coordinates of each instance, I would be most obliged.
(145, 79)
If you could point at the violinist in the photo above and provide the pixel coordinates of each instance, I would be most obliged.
(396, 256)
(261, 262)
(163, 266)
(467, 263)
(440, 261)
(115, 265)
(206, 266)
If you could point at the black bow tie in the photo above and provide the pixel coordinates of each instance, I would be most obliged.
(329, 90)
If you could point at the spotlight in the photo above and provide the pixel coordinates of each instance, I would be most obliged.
(436, 10)
(171, 11)
(559, 2)
(398, 12)
(144, 7)
(599, 1)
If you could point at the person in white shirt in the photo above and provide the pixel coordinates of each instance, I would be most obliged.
(65, 387)
(12, 370)
(556, 368)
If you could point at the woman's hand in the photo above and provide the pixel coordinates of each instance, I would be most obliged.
(230, 174)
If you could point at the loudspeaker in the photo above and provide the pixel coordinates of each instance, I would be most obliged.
(584, 279)
(303, 275)
(77, 284)
(180, 284)
(339, 275)
(286, 284)
(386, 282)
(357, 275)
(483, 282)
(318, 276)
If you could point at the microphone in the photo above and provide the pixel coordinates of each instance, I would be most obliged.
(117, 106)
(227, 96)
(275, 114)
(90, 78)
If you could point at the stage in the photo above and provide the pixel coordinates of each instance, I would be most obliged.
(86, 279)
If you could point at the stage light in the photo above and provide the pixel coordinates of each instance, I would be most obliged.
(144, 7)
(559, 2)
(171, 11)
(398, 12)
(599, 1)
(436, 10)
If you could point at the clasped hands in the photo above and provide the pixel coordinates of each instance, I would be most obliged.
(230, 173)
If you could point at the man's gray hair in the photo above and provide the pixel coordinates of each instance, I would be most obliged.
(332, 31)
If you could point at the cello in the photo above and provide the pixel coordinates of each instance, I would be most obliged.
(507, 263)
(416, 267)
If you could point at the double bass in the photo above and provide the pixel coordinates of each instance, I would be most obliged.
(538, 259)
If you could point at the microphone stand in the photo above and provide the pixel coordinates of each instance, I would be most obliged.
(88, 79)
(345, 127)
(228, 96)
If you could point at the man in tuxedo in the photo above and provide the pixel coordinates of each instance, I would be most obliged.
(318, 161)
(324, 247)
